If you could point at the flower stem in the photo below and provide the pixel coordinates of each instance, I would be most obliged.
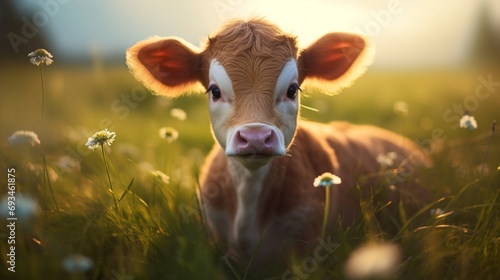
(109, 177)
(327, 211)
(46, 177)
(43, 95)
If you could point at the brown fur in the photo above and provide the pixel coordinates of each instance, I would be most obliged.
(253, 53)
(289, 208)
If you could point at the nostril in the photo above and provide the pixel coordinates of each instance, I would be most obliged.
(269, 138)
(241, 138)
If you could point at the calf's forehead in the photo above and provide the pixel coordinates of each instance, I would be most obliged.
(252, 53)
(256, 75)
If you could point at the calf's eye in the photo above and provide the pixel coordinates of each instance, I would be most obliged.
(215, 91)
(291, 92)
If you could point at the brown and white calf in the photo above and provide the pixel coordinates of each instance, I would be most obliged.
(259, 179)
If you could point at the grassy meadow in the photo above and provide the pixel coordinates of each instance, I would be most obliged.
(156, 232)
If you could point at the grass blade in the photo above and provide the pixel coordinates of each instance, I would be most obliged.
(126, 190)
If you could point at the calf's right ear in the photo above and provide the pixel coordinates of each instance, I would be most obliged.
(334, 61)
(168, 66)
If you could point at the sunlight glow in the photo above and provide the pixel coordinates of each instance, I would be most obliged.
(407, 33)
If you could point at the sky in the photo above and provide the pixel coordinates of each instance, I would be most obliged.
(406, 33)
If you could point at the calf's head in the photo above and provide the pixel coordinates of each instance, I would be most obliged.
(251, 72)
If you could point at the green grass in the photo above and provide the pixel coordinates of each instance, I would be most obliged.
(158, 233)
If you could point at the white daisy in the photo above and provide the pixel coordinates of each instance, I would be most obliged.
(40, 56)
(169, 134)
(326, 179)
(469, 122)
(100, 138)
(161, 176)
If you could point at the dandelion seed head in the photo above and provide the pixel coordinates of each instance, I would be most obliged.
(169, 134)
(100, 138)
(469, 122)
(40, 56)
(23, 137)
(401, 108)
(373, 261)
(326, 179)
(77, 263)
(178, 114)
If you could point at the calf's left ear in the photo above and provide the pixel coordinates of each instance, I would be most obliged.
(168, 66)
(334, 61)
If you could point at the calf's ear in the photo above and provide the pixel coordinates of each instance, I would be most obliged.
(334, 61)
(168, 66)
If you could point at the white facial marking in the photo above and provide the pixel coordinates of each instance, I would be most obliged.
(289, 74)
(218, 76)
(221, 109)
(288, 108)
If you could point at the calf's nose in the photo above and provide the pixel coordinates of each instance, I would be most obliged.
(256, 140)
